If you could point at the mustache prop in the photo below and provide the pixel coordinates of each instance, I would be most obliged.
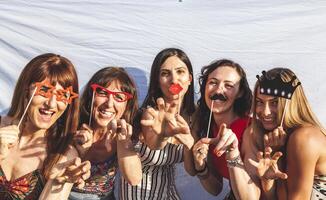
(214, 97)
(220, 97)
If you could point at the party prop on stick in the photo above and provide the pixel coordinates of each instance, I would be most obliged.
(213, 98)
(46, 89)
(103, 92)
(91, 113)
(175, 89)
(24, 113)
(278, 88)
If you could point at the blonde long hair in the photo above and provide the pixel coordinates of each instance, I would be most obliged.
(298, 111)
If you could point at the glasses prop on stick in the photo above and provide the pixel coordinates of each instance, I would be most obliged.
(278, 88)
(103, 92)
(175, 89)
(47, 90)
(24, 113)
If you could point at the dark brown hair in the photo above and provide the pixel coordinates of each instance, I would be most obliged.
(241, 105)
(154, 90)
(104, 77)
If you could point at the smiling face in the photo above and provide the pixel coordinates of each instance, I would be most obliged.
(223, 81)
(44, 111)
(266, 110)
(107, 107)
(174, 71)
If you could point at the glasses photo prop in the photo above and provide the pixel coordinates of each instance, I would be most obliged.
(47, 90)
(117, 96)
(278, 88)
(101, 91)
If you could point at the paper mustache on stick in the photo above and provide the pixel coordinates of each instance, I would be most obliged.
(213, 98)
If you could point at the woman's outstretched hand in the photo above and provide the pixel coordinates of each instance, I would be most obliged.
(225, 140)
(165, 120)
(200, 152)
(121, 131)
(266, 165)
(71, 171)
(83, 139)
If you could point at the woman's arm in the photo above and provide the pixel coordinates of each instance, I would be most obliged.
(242, 173)
(152, 129)
(303, 151)
(189, 162)
(129, 161)
(210, 180)
(64, 174)
(161, 124)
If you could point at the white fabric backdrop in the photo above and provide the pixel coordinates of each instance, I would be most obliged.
(93, 34)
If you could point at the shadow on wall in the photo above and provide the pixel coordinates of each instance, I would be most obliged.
(141, 79)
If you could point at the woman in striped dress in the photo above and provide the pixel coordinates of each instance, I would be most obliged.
(162, 127)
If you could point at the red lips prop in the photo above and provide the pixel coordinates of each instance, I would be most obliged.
(175, 89)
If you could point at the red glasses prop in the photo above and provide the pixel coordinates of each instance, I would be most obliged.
(46, 89)
(117, 96)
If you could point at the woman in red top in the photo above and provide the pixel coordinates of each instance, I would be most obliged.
(224, 81)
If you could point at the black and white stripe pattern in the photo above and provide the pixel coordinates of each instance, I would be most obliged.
(158, 181)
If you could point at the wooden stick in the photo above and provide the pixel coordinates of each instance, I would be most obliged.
(29, 102)
(91, 113)
(210, 119)
(284, 111)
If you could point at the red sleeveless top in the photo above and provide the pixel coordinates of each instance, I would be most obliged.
(238, 127)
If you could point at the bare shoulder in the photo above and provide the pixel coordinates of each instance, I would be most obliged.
(307, 135)
(306, 141)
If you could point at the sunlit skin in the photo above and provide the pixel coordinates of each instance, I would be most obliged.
(266, 109)
(43, 112)
(174, 71)
(106, 108)
(223, 80)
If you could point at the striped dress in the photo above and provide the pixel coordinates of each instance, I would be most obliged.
(158, 179)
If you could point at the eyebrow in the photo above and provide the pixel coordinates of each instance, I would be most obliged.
(182, 67)
(227, 81)
(273, 99)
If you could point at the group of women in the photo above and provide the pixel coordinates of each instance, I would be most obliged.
(55, 144)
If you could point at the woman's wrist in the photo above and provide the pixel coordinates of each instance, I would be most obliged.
(203, 173)
(200, 168)
(233, 158)
(231, 154)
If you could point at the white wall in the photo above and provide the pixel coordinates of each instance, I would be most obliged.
(93, 34)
